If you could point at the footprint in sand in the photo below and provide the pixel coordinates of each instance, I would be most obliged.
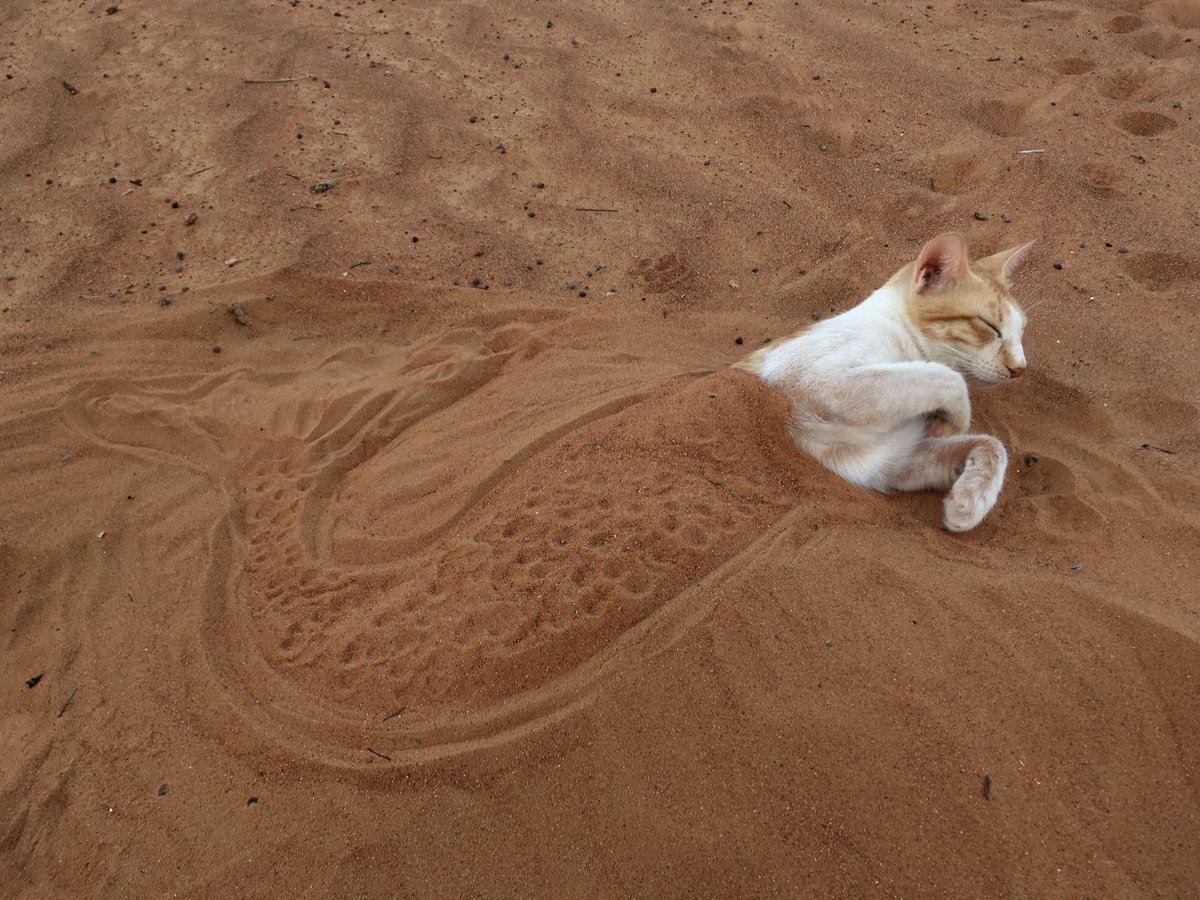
(1146, 123)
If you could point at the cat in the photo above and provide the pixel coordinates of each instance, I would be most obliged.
(879, 393)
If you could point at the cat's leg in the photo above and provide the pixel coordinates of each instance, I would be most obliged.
(971, 465)
(895, 392)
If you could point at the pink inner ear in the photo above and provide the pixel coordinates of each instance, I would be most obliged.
(942, 261)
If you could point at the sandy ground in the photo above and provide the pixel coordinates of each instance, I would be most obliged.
(467, 567)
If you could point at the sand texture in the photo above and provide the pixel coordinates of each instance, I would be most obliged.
(379, 514)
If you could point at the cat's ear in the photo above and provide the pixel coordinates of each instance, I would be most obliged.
(942, 262)
(1005, 262)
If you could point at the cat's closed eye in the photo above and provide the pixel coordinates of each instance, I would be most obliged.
(991, 326)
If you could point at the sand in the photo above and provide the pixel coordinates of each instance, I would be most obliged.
(468, 567)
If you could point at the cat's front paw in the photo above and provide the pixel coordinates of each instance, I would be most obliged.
(975, 492)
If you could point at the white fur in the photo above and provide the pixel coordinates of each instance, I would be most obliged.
(887, 409)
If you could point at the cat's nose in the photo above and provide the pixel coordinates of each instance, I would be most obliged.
(1015, 371)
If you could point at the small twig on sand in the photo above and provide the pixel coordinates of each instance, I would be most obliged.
(380, 755)
(365, 262)
(594, 209)
(393, 715)
(268, 80)
(198, 171)
(1031, 151)
(68, 703)
(317, 208)
(1159, 449)
(70, 88)
(340, 133)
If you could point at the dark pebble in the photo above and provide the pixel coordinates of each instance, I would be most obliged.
(816, 77)
(163, 790)
(823, 147)
(32, 682)
(1031, 459)
(112, 180)
(1058, 265)
(415, 238)
(654, 90)
(178, 269)
(531, 214)
(804, 271)
(175, 204)
(217, 348)
(1108, 244)
(980, 217)
(738, 340)
(570, 285)
(538, 261)
(550, 24)
(1006, 220)
(251, 801)
(179, 254)
(816, 317)
(1122, 249)
(539, 185)
(583, 293)
(164, 301)
(1077, 567)
(190, 220)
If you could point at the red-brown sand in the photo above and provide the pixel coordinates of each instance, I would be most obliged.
(467, 567)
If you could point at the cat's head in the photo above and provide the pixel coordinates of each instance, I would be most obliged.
(963, 311)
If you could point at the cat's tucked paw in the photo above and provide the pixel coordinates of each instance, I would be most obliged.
(953, 419)
(975, 492)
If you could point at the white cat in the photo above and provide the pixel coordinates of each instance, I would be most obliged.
(879, 393)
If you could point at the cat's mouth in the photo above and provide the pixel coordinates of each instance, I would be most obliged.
(989, 380)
